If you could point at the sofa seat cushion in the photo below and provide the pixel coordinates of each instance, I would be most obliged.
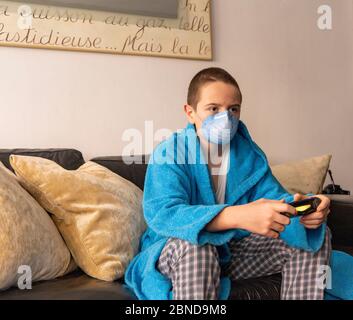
(79, 286)
(74, 286)
(263, 288)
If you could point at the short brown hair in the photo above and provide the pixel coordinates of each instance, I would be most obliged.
(205, 76)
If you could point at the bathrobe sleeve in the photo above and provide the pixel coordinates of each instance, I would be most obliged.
(167, 208)
(295, 234)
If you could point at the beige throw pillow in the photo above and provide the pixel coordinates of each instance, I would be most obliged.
(98, 213)
(28, 237)
(305, 176)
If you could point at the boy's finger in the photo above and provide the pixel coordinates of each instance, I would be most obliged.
(311, 222)
(325, 203)
(323, 206)
(312, 226)
(275, 201)
(277, 227)
(298, 196)
(284, 207)
(272, 234)
(317, 215)
(282, 219)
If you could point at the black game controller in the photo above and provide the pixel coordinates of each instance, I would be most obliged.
(304, 207)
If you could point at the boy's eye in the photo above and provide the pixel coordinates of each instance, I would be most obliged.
(214, 109)
(234, 109)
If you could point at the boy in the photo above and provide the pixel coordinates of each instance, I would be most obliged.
(210, 222)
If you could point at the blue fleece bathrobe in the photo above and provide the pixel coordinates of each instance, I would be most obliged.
(179, 201)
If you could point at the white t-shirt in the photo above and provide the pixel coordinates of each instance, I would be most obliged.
(222, 174)
(222, 177)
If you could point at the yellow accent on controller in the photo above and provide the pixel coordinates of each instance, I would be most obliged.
(303, 208)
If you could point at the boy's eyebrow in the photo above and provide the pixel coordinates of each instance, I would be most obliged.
(218, 105)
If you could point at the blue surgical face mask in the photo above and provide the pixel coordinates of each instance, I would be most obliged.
(220, 128)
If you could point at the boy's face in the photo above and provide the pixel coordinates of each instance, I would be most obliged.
(214, 97)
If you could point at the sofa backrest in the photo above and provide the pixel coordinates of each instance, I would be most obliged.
(72, 159)
(134, 172)
(69, 159)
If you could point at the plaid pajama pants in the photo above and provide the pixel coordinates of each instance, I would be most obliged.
(195, 270)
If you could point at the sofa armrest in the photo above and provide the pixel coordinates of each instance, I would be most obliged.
(340, 221)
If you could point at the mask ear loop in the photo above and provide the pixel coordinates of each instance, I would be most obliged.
(199, 135)
(198, 116)
(199, 131)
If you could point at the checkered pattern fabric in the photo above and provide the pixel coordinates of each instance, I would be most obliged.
(195, 271)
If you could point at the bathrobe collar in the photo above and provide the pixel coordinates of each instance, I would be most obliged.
(248, 164)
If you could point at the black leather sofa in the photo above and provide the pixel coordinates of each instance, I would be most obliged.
(77, 285)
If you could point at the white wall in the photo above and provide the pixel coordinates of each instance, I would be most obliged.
(297, 83)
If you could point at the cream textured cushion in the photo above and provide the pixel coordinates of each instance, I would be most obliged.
(305, 176)
(98, 213)
(28, 236)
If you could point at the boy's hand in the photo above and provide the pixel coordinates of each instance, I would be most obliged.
(264, 217)
(317, 218)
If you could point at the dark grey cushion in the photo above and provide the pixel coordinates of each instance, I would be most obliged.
(134, 172)
(69, 159)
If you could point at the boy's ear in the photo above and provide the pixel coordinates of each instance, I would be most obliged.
(189, 111)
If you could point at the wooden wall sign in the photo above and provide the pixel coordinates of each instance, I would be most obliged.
(38, 26)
